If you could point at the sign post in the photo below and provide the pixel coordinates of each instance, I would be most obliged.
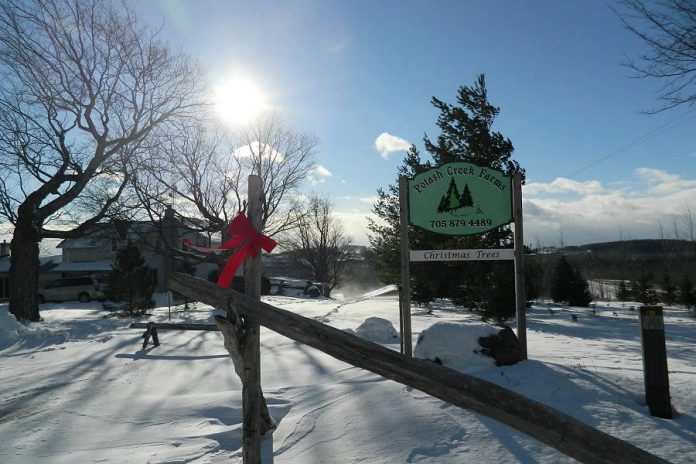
(520, 288)
(405, 288)
(461, 199)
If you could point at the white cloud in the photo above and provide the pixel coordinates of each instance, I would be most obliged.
(387, 144)
(355, 225)
(255, 150)
(563, 185)
(318, 174)
(599, 213)
(662, 183)
(364, 200)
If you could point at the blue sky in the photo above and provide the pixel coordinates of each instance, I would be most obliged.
(349, 71)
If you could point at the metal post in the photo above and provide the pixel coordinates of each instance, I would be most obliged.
(251, 350)
(405, 268)
(520, 290)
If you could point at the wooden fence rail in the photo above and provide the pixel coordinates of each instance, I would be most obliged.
(564, 433)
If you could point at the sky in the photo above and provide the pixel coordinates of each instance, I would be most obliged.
(360, 75)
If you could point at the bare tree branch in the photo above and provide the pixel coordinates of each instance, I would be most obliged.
(668, 28)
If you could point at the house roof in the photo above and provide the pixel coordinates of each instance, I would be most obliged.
(88, 266)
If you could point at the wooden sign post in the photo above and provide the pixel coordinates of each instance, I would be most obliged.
(405, 287)
(461, 199)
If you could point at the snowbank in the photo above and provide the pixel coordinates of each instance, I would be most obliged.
(455, 344)
(377, 329)
(11, 331)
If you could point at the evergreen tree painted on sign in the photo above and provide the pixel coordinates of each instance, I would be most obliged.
(450, 200)
(465, 199)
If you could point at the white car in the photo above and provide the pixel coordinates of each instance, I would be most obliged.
(84, 289)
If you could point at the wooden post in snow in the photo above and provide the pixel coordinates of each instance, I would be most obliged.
(251, 382)
(405, 290)
(520, 287)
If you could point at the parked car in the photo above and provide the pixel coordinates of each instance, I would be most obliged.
(84, 288)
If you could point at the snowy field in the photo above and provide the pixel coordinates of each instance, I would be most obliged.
(77, 388)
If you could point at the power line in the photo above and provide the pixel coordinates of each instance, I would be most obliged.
(668, 125)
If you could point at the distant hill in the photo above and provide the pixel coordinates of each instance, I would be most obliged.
(643, 247)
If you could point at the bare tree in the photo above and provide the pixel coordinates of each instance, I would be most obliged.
(688, 220)
(319, 244)
(84, 86)
(667, 28)
(206, 168)
(282, 158)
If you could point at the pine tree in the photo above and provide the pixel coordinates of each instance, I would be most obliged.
(466, 135)
(569, 286)
(669, 290)
(687, 294)
(622, 292)
(643, 290)
(131, 281)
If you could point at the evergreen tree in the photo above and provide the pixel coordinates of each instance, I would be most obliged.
(465, 135)
(634, 290)
(622, 292)
(669, 290)
(644, 291)
(687, 294)
(568, 286)
(131, 281)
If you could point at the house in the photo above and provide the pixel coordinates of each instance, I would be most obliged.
(97, 248)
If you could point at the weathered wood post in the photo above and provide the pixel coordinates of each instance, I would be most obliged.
(652, 339)
(251, 349)
(405, 290)
(520, 287)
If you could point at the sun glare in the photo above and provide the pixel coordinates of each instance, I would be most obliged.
(238, 101)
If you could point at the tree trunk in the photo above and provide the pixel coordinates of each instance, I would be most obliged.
(24, 271)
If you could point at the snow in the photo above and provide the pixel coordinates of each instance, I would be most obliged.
(377, 329)
(455, 345)
(77, 387)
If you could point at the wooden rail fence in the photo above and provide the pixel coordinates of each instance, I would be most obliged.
(554, 428)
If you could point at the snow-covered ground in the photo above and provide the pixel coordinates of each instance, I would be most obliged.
(77, 388)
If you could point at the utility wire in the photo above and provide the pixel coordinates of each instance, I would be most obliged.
(668, 125)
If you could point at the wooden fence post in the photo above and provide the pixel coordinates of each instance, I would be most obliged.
(251, 384)
(655, 372)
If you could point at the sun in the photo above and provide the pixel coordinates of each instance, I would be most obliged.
(238, 101)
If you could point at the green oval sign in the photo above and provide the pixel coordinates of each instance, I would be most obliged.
(460, 199)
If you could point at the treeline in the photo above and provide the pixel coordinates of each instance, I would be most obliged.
(647, 271)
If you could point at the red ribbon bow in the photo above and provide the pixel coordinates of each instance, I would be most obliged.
(245, 239)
